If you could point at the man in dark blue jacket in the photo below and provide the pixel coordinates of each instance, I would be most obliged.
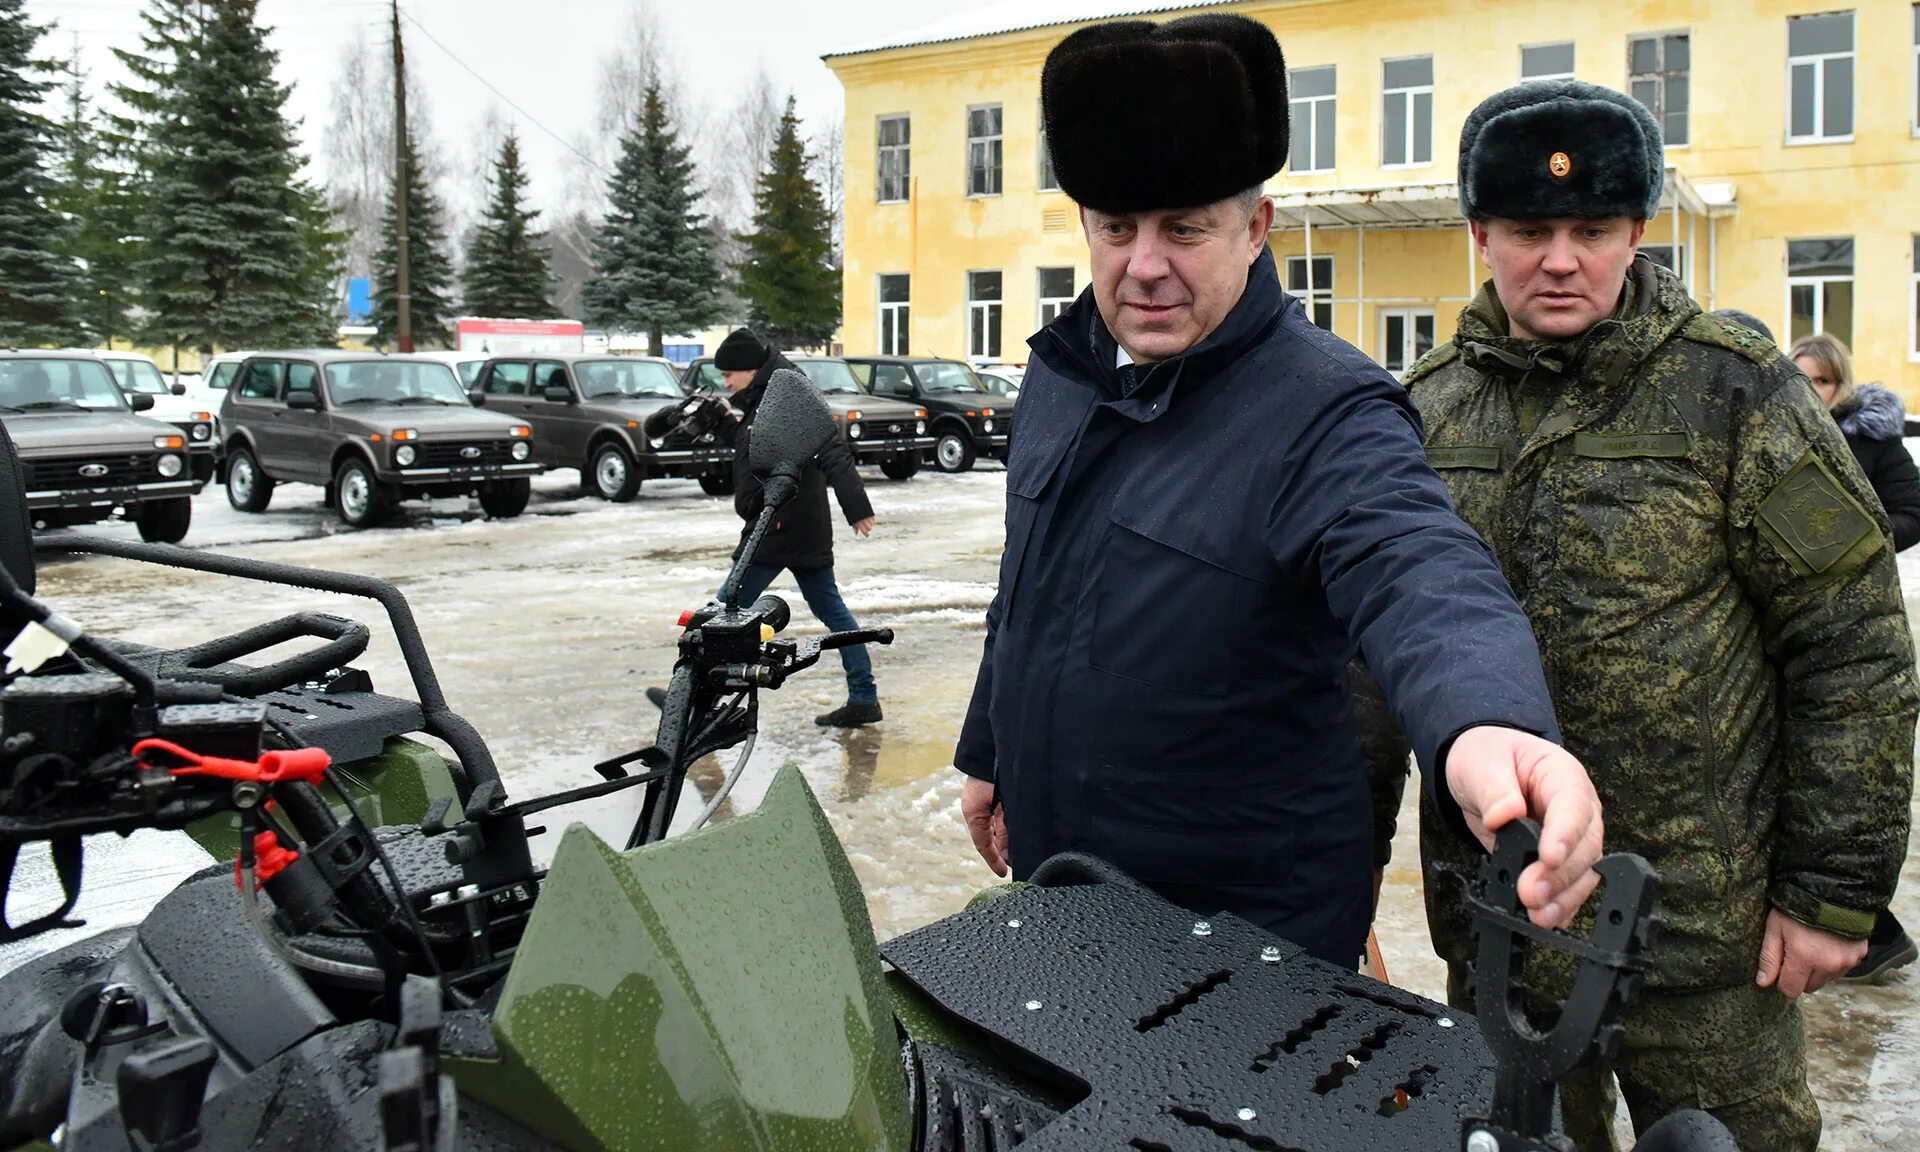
(1210, 504)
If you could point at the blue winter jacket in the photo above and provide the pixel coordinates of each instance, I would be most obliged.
(1191, 557)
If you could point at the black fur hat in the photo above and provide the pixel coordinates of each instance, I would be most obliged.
(1144, 117)
(1553, 148)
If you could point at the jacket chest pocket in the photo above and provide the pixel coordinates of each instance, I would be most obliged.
(1048, 432)
(1638, 516)
(1170, 612)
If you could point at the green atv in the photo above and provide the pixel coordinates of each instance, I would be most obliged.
(377, 963)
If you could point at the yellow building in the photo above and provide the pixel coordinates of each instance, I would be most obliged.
(1793, 152)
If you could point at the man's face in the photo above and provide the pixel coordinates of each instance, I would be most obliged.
(1164, 280)
(1558, 278)
(737, 380)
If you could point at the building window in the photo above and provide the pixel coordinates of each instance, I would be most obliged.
(1318, 297)
(896, 157)
(1820, 77)
(1913, 303)
(893, 314)
(1916, 69)
(1547, 62)
(1407, 119)
(1672, 257)
(983, 315)
(1048, 182)
(1657, 69)
(983, 151)
(1406, 334)
(1310, 108)
(1820, 288)
(1056, 293)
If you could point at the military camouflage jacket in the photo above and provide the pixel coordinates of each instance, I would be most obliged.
(1713, 588)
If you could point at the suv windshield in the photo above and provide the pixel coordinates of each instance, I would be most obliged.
(139, 376)
(394, 382)
(948, 376)
(80, 384)
(625, 378)
(830, 376)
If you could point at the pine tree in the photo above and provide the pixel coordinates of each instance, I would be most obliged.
(787, 276)
(93, 190)
(654, 254)
(429, 271)
(239, 250)
(507, 264)
(39, 283)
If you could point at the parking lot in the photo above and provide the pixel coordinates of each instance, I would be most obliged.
(546, 628)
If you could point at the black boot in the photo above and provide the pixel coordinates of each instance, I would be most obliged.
(1888, 948)
(850, 716)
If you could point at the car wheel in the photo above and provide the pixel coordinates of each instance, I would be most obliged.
(900, 469)
(612, 474)
(165, 521)
(953, 452)
(505, 499)
(248, 488)
(717, 484)
(357, 496)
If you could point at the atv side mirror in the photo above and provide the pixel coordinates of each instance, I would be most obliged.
(791, 425)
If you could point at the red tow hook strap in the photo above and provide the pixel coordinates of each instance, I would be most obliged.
(268, 859)
(306, 764)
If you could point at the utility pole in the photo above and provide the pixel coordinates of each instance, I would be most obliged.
(402, 157)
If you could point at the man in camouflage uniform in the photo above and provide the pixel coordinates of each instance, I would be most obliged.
(1714, 592)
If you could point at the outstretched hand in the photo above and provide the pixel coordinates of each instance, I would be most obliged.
(1501, 774)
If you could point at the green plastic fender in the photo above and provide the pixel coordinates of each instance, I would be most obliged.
(720, 990)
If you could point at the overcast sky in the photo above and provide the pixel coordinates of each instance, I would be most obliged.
(543, 56)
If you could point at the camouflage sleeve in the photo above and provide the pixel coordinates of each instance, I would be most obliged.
(1387, 752)
(1810, 545)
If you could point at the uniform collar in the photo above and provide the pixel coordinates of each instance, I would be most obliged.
(1653, 306)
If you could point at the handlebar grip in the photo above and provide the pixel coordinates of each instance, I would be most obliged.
(775, 610)
(858, 636)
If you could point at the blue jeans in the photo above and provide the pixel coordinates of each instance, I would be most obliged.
(823, 599)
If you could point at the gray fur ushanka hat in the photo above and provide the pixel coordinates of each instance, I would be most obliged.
(1560, 148)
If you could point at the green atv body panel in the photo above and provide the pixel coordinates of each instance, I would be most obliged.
(717, 990)
(394, 788)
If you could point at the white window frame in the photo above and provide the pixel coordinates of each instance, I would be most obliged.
(1045, 179)
(1818, 283)
(996, 143)
(1819, 64)
(1680, 255)
(1660, 77)
(1409, 95)
(896, 317)
(1551, 75)
(1307, 106)
(1312, 297)
(1915, 74)
(992, 310)
(879, 160)
(1913, 305)
(1058, 304)
(1409, 318)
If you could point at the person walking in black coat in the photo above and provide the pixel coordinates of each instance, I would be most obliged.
(1873, 420)
(801, 541)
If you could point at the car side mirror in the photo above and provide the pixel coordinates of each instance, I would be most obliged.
(303, 401)
(476, 397)
(177, 388)
(791, 426)
(140, 401)
(558, 393)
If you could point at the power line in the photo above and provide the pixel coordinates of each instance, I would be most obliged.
(508, 100)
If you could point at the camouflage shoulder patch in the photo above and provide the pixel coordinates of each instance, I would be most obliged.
(1437, 357)
(1718, 333)
(1814, 523)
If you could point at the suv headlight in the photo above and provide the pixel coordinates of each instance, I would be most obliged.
(522, 449)
(202, 432)
(404, 455)
(169, 465)
(853, 430)
(986, 425)
(920, 428)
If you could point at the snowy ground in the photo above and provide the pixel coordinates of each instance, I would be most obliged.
(545, 629)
